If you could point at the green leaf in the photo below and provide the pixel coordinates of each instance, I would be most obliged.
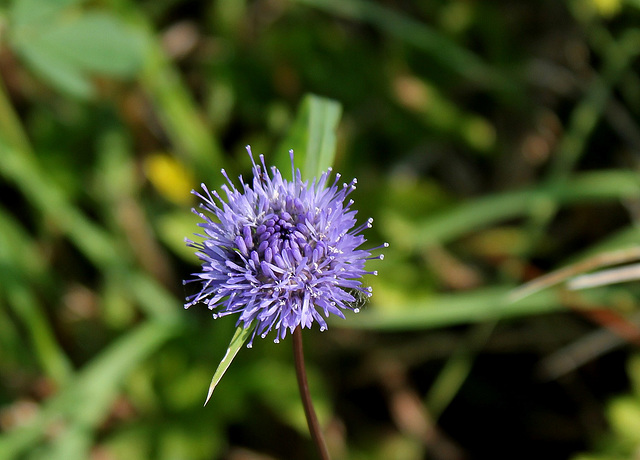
(239, 338)
(36, 12)
(95, 42)
(312, 137)
(66, 46)
(59, 73)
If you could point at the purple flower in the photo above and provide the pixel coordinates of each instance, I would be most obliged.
(280, 253)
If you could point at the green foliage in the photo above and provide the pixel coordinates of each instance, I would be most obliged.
(66, 45)
(623, 415)
(493, 142)
(313, 134)
(239, 338)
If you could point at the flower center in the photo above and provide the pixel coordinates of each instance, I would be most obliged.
(277, 233)
(281, 240)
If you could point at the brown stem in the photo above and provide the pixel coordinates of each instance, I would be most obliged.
(312, 420)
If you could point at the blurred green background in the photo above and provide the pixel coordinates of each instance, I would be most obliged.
(493, 142)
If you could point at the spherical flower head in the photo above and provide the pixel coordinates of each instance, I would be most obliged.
(281, 253)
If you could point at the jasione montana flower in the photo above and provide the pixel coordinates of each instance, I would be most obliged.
(281, 252)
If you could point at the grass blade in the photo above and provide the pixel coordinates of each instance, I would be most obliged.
(324, 115)
(312, 137)
(87, 400)
(239, 338)
(600, 186)
(487, 304)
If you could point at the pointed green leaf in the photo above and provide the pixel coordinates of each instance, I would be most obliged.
(239, 338)
(324, 115)
(312, 137)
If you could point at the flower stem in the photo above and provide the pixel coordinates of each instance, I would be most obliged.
(301, 373)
